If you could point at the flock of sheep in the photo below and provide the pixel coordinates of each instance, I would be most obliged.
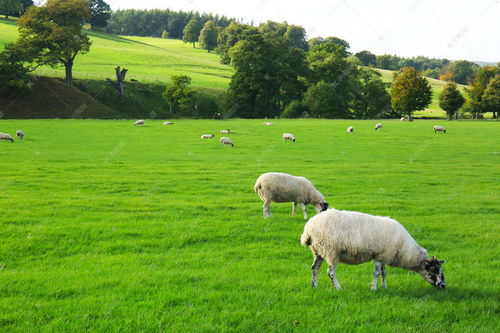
(337, 236)
(353, 238)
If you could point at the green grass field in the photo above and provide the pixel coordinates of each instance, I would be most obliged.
(113, 228)
(148, 59)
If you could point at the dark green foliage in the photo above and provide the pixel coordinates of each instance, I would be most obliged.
(205, 106)
(367, 58)
(335, 40)
(372, 99)
(296, 36)
(478, 86)
(208, 36)
(10, 7)
(323, 101)
(152, 22)
(460, 71)
(410, 91)
(491, 96)
(179, 96)
(14, 76)
(101, 12)
(420, 63)
(295, 109)
(191, 32)
(451, 99)
(230, 36)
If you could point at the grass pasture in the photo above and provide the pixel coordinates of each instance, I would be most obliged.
(110, 227)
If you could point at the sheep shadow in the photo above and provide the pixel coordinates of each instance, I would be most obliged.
(450, 294)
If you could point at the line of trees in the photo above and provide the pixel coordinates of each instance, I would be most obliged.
(154, 22)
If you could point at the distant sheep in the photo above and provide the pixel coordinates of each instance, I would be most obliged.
(378, 126)
(139, 122)
(207, 136)
(168, 123)
(226, 131)
(20, 134)
(438, 128)
(282, 187)
(402, 119)
(226, 141)
(354, 238)
(268, 124)
(6, 137)
(350, 129)
(288, 136)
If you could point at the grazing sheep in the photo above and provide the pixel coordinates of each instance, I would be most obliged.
(354, 238)
(438, 128)
(139, 122)
(282, 187)
(6, 137)
(168, 123)
(350, 129)
(20, 134)
(207, 136)
(226, 131)
(402, 119)
(378, 126)
(268, 124)
(288, 136)
(226, 141)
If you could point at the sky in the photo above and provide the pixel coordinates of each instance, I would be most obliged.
(452, 29)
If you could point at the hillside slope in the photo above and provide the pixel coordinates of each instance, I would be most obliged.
(147, 59)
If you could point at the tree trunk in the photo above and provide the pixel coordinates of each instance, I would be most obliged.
(120, 78)
(193, 45)
(69, 72)
(409, 116)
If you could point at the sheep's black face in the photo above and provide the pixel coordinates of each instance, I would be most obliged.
(433, 273)
(324, 206)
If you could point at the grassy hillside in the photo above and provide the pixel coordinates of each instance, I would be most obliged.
(437, 87)
(147, 59)
(107, 227)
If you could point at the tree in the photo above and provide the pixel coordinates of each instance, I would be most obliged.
(296, 36)
(295, 109)
(165, 34)
(208, 36)
(478, 86)
(367, 58)
(178, 95)
(323, 102)
(100, 12)
(372, 98)
(191, 32)
(8, 7)
(460, 71)
(491, 96)
(13, 74)
(53, 33)
(230, 36)
(410, 91)
(451, 99)
(335, 40)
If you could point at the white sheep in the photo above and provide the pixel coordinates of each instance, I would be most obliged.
(207, 136)
(20, 134)
(226, 141)
(378, 126)
(226, 131)
(282, 187)
(438, 128)
(354, 238)
(168, 123)
(288, 136)
(6, 137)
(268, 124)
(139, 122)
(402, 119)
(350, 129)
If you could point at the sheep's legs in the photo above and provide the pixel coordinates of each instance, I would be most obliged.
(304, 210)
(333, 275)
(379, 270)
(294, 208)
(266, 209)
(315, 268)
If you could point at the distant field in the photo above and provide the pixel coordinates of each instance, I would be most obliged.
(148, 59)
(107, 227)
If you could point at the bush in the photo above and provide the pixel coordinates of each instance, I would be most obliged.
(205, 105)
(295, 109)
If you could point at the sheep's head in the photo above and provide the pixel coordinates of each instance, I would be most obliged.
(432, 272)
(321, 207)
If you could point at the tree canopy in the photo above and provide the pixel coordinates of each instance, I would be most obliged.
(410, 91)
(451, 99)
(100, 13)
(208, 36)
(191, 31)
